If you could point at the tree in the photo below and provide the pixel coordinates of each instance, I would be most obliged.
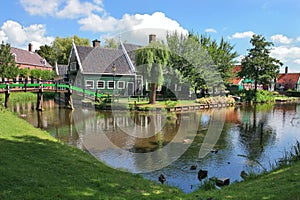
(190, 55)
(150, 61)
(258, 65)
(8, 67)
(24, 72)
(222, 55)
(110, 43)
(63, 46)
(48, 53)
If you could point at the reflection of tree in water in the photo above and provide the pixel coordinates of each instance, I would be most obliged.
(255, 133)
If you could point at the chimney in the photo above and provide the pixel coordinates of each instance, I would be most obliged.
(152, 38)
(286, 69)
(30, 47)
(96, 43)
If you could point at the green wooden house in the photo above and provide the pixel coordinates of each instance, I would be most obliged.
(104, 70)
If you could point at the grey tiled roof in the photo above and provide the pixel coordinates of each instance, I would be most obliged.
(29, 58)
(62, 69)
(101, 60)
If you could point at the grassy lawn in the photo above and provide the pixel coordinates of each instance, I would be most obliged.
(33, 165)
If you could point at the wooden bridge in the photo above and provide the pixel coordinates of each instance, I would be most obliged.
(45, 86)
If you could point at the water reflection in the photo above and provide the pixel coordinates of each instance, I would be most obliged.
(125, 140)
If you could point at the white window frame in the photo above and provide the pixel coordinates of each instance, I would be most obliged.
(100, 87)
(89, 87)
(123, 82)
(111, 88)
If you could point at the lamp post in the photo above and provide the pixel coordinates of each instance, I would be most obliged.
(114, 69)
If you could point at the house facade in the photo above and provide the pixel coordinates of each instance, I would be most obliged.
(288, 81)
(29, 59)
(104, 70)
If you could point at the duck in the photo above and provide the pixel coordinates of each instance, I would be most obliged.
(215, 151)
(243, 174)
(162, 178)
(193, 167)
(202, 174)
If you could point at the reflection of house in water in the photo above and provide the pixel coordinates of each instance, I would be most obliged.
(232, 115)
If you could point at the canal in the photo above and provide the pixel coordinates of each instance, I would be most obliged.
(222, 141)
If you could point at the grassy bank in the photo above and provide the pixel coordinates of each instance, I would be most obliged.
(19, 97)
(33, 165)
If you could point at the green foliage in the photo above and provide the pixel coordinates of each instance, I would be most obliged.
(48, 53)
(203, 62)
(170, 104)
(47, 75)
(110, 43)
(261, 96)
(150, 61)
(24, 72)
(63, 46)
(208, 184)
(8, 67)
(258, 65)
(36, 73)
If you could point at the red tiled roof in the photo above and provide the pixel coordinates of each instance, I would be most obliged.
(235, 70)
(29, 58)
(289, 77)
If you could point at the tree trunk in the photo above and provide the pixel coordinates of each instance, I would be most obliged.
(152, 98)
(255, 90)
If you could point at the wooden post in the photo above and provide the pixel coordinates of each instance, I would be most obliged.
(39, 102)
(7, 93)
(68, 98)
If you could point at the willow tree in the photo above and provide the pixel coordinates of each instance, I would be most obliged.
(150, 62)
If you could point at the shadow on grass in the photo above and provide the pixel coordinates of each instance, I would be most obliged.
(33, 168)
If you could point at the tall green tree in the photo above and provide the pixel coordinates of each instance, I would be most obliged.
(8, 67)
(258, 65)
(150, 61)
(222, 54)
(190, 54)
(63, 46)
(48, 53)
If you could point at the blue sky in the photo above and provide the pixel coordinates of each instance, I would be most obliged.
(40, 21)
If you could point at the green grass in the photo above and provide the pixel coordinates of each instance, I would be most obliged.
(19, 97)
(34, 165)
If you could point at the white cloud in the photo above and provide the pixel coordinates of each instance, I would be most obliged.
(133, 28)
(282, 39)
(41, 7)
(240, 35)
(210, 30)
(62, 8)
(298, 39)
(288, 55)
(18, 36)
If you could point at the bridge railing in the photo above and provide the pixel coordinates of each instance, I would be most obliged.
(56, 86)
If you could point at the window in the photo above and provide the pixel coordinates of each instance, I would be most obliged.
(121, 84)
(73, 66)
(89, 84)
(100, 84)
(111, 85)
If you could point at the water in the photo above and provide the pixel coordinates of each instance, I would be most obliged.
(251, 138)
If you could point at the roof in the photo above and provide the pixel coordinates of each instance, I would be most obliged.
(289, 77)
(61, 69)
(236, 80)
(101, 60)
(29, 58)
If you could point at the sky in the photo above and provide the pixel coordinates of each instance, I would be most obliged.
(40, 21)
